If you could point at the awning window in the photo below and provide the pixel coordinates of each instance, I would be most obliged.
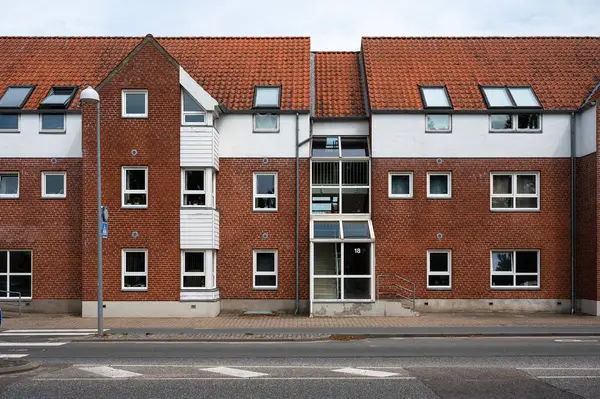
(59, 97)
(15, 97)
(338, 230)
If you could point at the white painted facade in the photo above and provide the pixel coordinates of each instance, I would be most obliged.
(403, 135)
(586, 141)
(341, 128)
(30, 143)
(237, 139)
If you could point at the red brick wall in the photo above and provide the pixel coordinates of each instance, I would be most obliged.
(405, 229)
(156, 140)
(242, 229)
(51, 228)
(586, 255)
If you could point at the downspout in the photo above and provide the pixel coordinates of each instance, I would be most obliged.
(573, 214)
(297, 214)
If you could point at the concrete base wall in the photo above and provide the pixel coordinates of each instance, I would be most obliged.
(589, 307)
(347, 309)
(153, 309)
(494, 305)
(275, 305)
(72, 306)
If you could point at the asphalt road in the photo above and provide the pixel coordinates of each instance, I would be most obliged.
(371, 368)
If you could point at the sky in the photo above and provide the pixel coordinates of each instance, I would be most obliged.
(331, 24)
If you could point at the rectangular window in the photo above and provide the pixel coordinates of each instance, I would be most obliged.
(59, 97)
(15, 273)
(9, 185)
(134, 183)
(267, 97)
(266, 123)
(529, 122)
(439, 269)
(435, 97)
(193, 113)
(134, 104)
(265, 191)
(438, 123)
(515, 191)
(518, 269)
(54, 184)
(15, 96)
(193, 189)
(501, 122)
(497, 97)
(265, 269)
(439, 185)
(400, 185)
(9, 122)
(52, 123)
(524, 97)
(135, 270)
(193, 271)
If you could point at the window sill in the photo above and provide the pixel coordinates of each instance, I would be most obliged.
(439, 131)
(134, 289)
(134, 116)
(265, 131)
(439, 198)
(10, 131)
(265, 210)
(515, 210)
(517, 131)
(264, 288)
(400, 197)
(343, 300)
(54, 198)
(515, 288)
(53, 132)
(439, 288)
(2, 197)
(134, 207)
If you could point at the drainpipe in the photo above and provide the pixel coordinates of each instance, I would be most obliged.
(573, 222)
(297, 213)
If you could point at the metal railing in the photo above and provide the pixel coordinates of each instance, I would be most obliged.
(10, 300)
(396, 286)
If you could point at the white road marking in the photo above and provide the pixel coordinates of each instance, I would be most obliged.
(48, 334)
(226, 378)
(32, 343)
(365, 373)
(110, 372)
(558, 368)
(563, 377)
(575, 340)
(235, 372)
(12, 356)
(55, 330)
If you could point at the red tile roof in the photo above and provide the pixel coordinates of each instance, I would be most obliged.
(562, 71)
(228, 68)
(338, 85)
(59, 61)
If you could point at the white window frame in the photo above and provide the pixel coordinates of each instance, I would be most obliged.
(255, 272)
(516, 123)
(255, 195)
(259, 130)
(185, 191)
(184, 112)
(8, 274)
(18, 129)
(514, 194)
(52, 173)
(410, 185)
(124, 271)
(492, 130)
(63, 130)
(12, 196)
(448, 273)
(514, 273)
(193, 274)
(124, 113)
(124, 190)
(428, 130)
(439, 196)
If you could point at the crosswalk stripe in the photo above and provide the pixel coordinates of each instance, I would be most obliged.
(12, 356)
(365, 373)
(54, 330)
(110, 372)
(235, 372)
(37, 334)
(32, 343)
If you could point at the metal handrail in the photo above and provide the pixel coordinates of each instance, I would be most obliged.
(8, 297)
(412, 290)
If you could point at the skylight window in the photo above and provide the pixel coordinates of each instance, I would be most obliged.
(435, 97)
(59, 97)
(15, 96)
(267, 97)
(510, 97)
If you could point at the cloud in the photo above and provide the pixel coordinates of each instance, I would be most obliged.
(332, 24)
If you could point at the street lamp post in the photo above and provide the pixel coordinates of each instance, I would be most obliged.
(90, 95)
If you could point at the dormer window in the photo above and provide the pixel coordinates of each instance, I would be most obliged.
(435, 97)
(59, 97)
(15, 97)
(267, 97)
(193, 113)
(510, 97)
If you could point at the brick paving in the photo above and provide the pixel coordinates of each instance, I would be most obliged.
(233, 321)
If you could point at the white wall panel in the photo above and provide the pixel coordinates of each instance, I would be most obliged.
(403, 135)
(199, 228)
(199, 146)
(30, 143)
(238, 141)
(586, 132)
(341, 128)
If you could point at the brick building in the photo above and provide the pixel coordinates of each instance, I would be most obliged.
(253, 174)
